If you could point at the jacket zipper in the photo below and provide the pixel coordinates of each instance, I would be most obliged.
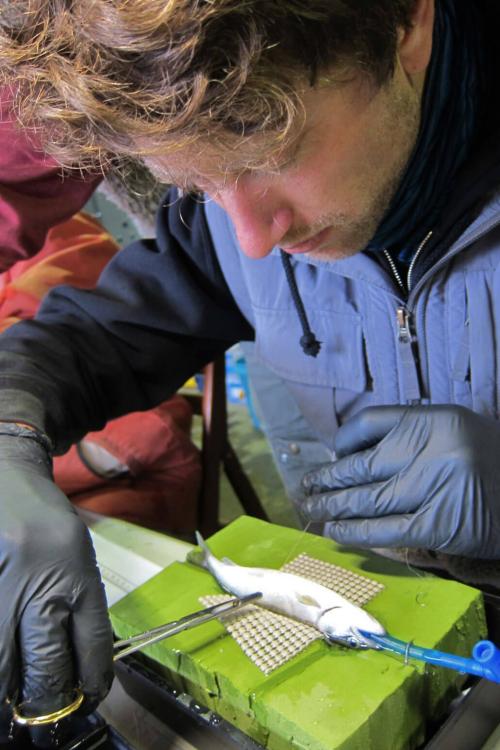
(395, 271)
(404, 325)
(402, 313)
(407, 341)
(407, 289)
(460, 245)
(415, 257)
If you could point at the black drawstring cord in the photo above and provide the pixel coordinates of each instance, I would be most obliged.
(308, 341)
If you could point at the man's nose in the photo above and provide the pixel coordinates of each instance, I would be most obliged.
(260, 219)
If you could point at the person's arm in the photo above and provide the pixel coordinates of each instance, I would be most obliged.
(34, 195)
(161, 310)
(159, 313)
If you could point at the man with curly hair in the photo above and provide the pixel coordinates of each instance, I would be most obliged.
(336, 200)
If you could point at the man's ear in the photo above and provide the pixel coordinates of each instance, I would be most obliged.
(415, 43)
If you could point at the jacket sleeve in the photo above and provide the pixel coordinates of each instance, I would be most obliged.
(160, 311)
(34, 196)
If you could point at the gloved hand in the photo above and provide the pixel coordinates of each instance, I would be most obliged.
(55, 633)
(421, 476)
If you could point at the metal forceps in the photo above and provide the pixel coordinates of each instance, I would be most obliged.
(128, 646)
(137, 642)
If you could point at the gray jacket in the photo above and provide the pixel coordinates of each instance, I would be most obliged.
(438, 344)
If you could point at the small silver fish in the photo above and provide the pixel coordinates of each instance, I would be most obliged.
(335, 617)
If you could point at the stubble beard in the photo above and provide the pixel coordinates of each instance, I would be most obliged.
(403, 113)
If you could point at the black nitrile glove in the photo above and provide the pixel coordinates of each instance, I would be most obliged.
(55, 633)
(421, 476)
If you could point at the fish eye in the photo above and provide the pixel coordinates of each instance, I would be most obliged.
(347, 640)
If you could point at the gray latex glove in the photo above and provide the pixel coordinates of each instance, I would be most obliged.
(421, 476)
(54, 628)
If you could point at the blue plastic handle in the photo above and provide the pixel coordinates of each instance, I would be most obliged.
(485, 661)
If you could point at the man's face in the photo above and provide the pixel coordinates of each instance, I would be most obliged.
(337, 182)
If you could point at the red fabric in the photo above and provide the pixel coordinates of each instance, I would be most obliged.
(75, 253)
(33, 194)
(161, 490)
(162, 487)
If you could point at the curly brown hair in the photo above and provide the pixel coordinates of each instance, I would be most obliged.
(96, 78)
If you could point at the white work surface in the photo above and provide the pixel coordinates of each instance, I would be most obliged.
(130, 555)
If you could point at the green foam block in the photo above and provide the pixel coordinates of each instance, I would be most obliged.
(328, 697)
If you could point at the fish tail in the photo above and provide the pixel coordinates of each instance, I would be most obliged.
(206, 554)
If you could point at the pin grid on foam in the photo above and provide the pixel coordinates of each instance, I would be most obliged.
(270, 639)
